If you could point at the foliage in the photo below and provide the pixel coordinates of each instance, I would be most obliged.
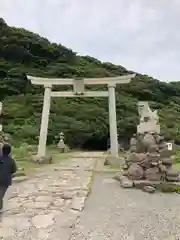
(23, 52)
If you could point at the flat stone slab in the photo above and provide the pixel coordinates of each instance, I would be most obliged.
(43, 221)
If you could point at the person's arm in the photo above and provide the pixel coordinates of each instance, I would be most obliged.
(14, 167)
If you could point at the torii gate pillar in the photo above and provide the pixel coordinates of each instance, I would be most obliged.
(113, 121)
(110, 82)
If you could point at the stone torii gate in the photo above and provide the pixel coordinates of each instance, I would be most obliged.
(79, 91)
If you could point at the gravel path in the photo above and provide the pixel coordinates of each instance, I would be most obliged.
(118, 214)
(47, 206)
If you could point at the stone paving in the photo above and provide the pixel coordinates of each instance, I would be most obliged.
(47, 206)
(113, 213)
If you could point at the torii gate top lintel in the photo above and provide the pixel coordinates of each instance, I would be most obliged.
(87, 81)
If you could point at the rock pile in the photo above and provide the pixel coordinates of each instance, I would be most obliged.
(149, 159)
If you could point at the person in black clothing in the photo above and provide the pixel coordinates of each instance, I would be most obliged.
(7, 169)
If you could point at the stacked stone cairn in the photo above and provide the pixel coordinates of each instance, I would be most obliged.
(150, 159)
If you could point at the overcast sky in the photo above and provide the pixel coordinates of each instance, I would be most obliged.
(141, 35)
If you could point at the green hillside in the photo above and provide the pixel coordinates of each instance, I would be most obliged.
(84, 121)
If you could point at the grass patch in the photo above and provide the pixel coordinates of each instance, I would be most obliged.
(168, 188)
(22, 156)
(91, 184)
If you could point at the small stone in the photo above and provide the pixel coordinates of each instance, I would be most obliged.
(43, 221)
(125, 182)
(20, 179)
(117, 177)
(171, 172)
(66, 219)
(142, 183)
(78, 203)
(167, 161)
(108, 181)
(113, 161)
(149, 189)
(67, 195)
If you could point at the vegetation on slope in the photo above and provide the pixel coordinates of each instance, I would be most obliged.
(84, 121)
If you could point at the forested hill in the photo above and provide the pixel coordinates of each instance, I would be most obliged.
(84, 121)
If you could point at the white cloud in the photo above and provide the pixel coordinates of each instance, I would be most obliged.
(141, 35)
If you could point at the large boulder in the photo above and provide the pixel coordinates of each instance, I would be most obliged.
(153, 174)
(148, 141)
(135, 172)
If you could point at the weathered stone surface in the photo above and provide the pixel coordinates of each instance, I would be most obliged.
(43, 221)
(125, 182)
(136, 157)
(133, 149)
(67, 195)
(117, 176)
(135, 171)
(20, 179)
(36, 205)
(171, 172)
(167, 161)
(125, 167)
(165, 153)
(66, 219)
(6, 232)
(153, 174)
(43, 198)
(149, 189)
(114, 161)
(153, 148)
(141, 183)
(78, 203)
(133, 141)
(148, 140)
(172, 179)
(162, 168)
(153, 157)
